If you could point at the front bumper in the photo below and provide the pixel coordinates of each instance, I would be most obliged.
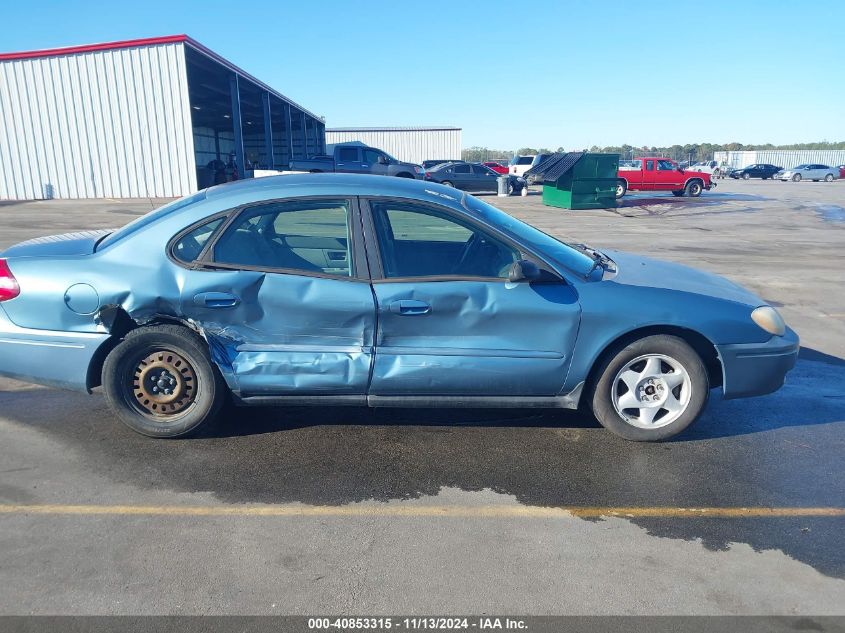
(47, 357)
(755, 369)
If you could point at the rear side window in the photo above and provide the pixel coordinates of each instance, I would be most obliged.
(461, 169)
(649, 165)
(309, 236)
(347, 154)
(188, 247)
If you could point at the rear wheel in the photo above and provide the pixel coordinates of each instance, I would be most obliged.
(828, 178)
(693, 188)
(447, 183)
(160, 381)
(650, 389)
(796, 178)
(621, 188)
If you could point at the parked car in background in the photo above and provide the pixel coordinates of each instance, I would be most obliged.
(267, 291)
(757, 170)
(428, 164)
(497, 167)
(520, 164)
(841, 169)
(809, 171)
(660, 174)
(538, 160)
(472, 177)
(357, 158)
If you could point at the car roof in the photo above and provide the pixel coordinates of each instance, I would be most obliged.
(325, 184)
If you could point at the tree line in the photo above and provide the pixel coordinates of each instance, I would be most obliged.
(695, 151)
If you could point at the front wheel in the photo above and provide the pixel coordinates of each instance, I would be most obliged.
(160, 381)
(447, 183)
(650, 389)
(693, 189)
(621, 189)
(746, 176)
(796, 178)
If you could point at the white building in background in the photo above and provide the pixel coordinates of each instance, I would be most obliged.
(410, 144)
(154, 117)
(786, 158)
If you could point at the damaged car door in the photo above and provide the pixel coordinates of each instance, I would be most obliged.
(285, 306)
(452, 324)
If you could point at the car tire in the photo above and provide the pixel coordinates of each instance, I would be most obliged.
(796, 178)
(746, 176)
(828, 178)
(447, 183)
(693, 188)
(621, 189)
(675, 407)
(161, 382)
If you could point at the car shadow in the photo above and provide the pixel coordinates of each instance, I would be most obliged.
(782, 449)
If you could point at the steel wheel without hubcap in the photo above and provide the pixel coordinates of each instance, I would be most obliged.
(620, 190)
(164, 384)
(651, 391)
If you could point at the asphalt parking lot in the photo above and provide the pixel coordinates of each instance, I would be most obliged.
(346, 510)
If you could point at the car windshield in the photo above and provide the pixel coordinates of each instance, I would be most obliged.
(149, 218)
(562, 253)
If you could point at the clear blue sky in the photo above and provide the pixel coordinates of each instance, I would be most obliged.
(569, 73)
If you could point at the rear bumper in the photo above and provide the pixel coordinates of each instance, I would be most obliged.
(755, 369)
(47, 357)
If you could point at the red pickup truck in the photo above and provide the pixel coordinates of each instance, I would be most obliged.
(660, 174)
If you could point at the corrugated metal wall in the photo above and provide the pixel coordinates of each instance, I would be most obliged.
(112, 123)
(781, 157)
(413, 145)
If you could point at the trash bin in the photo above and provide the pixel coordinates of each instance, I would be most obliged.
(502, 182)
(580, 180)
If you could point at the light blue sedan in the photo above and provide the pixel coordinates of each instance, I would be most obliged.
(363, 290)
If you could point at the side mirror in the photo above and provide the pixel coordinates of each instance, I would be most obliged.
(523, 270)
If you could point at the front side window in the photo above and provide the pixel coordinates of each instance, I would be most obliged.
(461, 169)
(371, 156)
(417, 241)
(308, 236)
(665, 165)
(188, 247)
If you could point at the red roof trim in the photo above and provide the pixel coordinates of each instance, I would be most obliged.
(90, 48)
(151, 41)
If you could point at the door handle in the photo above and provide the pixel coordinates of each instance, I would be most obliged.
(409, 307)
(216, 300)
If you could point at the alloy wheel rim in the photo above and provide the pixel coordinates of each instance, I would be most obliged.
(651, 391)
(163, 384)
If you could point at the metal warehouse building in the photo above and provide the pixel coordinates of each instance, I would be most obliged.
(410, 144)
(786, 158)
(159, 117)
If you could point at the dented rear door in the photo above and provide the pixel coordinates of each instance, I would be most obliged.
(285, 306)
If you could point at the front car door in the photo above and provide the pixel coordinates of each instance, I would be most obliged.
(282, 294)
(668, 176)
(450, 324)
(375, 162)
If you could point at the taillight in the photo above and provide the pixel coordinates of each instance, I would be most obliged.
(9, 287)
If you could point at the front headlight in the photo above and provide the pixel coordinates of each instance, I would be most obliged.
(769, 319)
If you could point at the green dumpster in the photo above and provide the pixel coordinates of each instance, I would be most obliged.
(580, 180)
